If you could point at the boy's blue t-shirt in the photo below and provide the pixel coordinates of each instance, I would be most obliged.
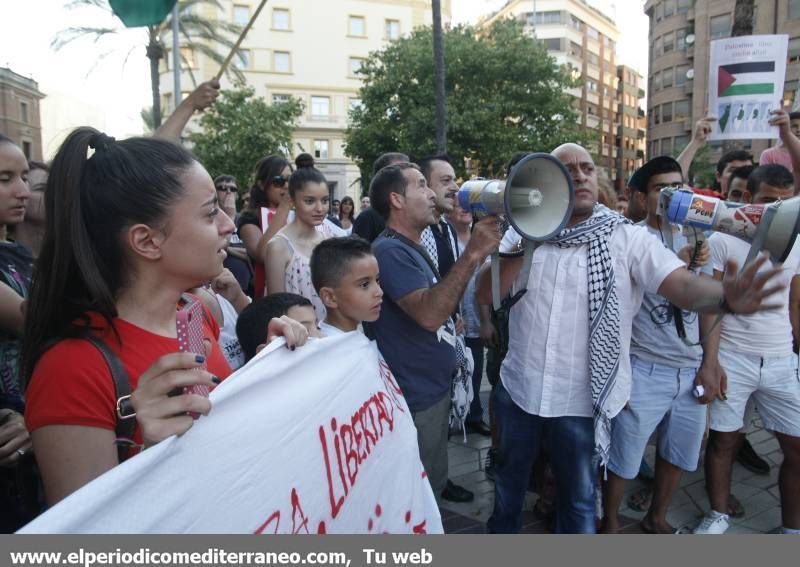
(422, 363)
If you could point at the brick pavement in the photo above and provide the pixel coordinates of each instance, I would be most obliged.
(758, 494)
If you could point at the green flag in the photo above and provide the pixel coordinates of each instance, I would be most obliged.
(136, 13)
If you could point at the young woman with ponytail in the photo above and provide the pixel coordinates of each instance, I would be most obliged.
(129, 229)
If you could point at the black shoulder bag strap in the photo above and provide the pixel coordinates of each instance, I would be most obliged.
(391, 233)
(126, 422)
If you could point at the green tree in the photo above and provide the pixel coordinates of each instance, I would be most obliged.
(241, 128)
(199, 34)
(504, 94)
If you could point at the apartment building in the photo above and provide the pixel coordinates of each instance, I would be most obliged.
(312, 49)
(680, 36)
(20, 115)
(580, 35)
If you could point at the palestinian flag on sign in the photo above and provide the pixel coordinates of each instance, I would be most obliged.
(752, 78)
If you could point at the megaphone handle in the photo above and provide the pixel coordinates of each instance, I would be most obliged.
(525, 273)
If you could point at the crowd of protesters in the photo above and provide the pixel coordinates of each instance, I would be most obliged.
(613, 338)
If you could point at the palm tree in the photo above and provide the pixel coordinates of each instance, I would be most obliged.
(199, 35)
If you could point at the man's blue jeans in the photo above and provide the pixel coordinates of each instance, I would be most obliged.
(520, 437)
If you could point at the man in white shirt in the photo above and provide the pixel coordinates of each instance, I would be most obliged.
(751, 356)
(567, 372)
(665, 355)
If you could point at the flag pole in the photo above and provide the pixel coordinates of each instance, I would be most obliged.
(239, 41)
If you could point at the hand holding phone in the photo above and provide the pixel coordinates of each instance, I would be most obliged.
(189, 322)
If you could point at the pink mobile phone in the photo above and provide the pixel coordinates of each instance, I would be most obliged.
(189, 322)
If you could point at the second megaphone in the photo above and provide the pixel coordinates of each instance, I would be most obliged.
(772, 226)
(537, 198)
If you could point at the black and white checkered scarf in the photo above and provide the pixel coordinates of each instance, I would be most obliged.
(604, 314)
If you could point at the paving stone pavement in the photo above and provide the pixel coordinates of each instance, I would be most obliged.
(759, 494)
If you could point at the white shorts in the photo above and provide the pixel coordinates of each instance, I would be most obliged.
(773, 383)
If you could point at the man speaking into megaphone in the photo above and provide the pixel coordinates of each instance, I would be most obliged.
(568, 367)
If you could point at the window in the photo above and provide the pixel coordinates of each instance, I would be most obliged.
(680, 39)
(592, 58)
(23, 112)
(357, 27)
(591, 86)
(280, 19)
(793, 53)
(669, 42)
(242, 59)
(26, 149)
(576, 23)
(355, 65)
(656, 115)
(657, 81)
(794, 9)
(667, 77)
(666, 146)
(666, 112)
(684, 5)
(720, 26)
(669, 8)
(279, 98)
(356, 103)
(320, 106)
(659, 46)
(680, 142)
(281, 62)
(681, 109)
(592, 33)
(392, 29)
(553, 17)
(680, 75)
(659, 11)
(575, 49)
(553, 44)
(241, 15)
(321, 149)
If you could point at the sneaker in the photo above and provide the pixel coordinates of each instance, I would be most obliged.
(749, 459)
(456, 493)
(488, 465)
(713, 523)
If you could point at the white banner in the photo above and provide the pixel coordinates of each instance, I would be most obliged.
(745, 84)
(318, 440)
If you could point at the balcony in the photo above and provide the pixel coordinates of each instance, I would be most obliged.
(640, 133)
(639, 154)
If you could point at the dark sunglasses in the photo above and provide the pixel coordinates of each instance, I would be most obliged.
(279, 180)
(227, 189)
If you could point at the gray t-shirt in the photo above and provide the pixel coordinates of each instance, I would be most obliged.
(654, 337)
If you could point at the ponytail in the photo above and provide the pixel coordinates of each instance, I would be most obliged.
(89, 203)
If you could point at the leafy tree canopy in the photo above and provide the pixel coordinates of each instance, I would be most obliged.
(505, 93)
(241, 128)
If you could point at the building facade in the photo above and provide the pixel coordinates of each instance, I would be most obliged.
(20, 114)
(311, 50)
(680, 36)
(630, 142)
(583, 37)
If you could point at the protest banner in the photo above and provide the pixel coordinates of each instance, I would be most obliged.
(746, 75)
(316, 440)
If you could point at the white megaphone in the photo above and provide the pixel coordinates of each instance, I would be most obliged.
(772, 227)
(537, 198)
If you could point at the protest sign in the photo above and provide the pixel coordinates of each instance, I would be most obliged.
(316, 440)
(746, 75)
